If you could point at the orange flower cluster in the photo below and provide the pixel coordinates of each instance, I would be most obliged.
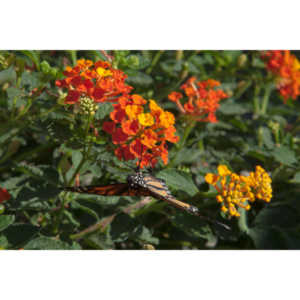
(98, 81)
(4, 195)
(286, 67)
(203, 99)
(237, 190)
(141, 133)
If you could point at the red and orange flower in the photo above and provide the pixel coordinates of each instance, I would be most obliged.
(4, 195)
(286, 68)
(98, 81)
(141, 129)
(203, 99)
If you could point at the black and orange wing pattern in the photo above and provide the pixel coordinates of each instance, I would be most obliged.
(159, 190)
(117, 189)
(142, 185)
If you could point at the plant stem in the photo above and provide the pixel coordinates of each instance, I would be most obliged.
(73, 54)
(85, 155)
(266, 97)
(256, 100)
(154, 61)
(242, 222)
(186, 134)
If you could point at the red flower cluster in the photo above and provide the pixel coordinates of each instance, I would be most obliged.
(138, 133)
(286, 67)
(98, 81)
(203, 99)
(4, 195)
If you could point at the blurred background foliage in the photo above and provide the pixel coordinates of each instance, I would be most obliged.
(41, 142)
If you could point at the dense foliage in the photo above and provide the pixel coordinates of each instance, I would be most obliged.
(220, 127)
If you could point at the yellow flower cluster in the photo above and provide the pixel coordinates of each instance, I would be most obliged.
(237, 191)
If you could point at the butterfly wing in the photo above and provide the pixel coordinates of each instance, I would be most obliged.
(159, 190)
(117, 189)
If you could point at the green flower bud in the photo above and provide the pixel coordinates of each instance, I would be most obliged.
(242, 59)
(87, 106)
(45, 67)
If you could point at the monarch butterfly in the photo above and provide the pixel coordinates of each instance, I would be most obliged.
(141, 184)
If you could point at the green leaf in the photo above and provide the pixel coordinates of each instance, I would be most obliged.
(34, 56)
(99, 240)
(122, 227)
(76, 158)
(267, 238)
(232, 108)
(284, 155)
(281, 216)
(5, 221)
(18, 234)
(138, 79)
(8, 75)
(3, 242)
(46, 243)
(104, 109)
(192, 226)
(178, 180)
(144, 234)
(267, 138)
(15, 95)
(296, 178)
(30, 80)
(138, 62)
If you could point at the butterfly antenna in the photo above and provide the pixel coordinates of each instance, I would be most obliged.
(195, 211)
(213, 222)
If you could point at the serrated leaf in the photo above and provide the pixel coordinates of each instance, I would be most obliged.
(232, 108)
(3, 242)
(46, 243)
(138, 62)
(18, 234)
(171, 66)
(8, 75)
(281, 216)
(292, 238)
(192, 226)
(296, 178)
(5, 221)
(99, 240)
(76, 158)
(139, 79)
(267, 138)
(122, 227)
(104, 109)
(267, 238)
(178, 180)
(144, 234)
(284, 155)
(33, 55)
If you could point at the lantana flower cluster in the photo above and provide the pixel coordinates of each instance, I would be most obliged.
(97, 81)
(286, 67)
(239, 191)
(4, 195)
(141, 129)
(203, 99)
